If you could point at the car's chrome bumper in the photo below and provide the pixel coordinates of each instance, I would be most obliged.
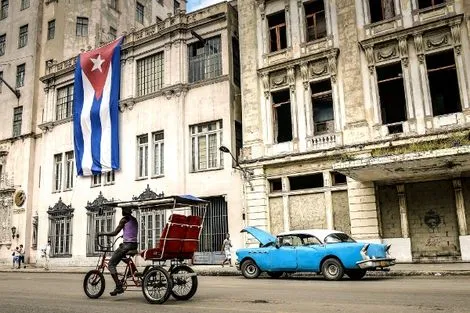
(375, 263)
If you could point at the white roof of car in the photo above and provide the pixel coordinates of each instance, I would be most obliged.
(319, 233)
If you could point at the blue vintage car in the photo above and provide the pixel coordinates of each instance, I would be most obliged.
(329, 252)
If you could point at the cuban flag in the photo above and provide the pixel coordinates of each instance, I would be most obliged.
(95, 109)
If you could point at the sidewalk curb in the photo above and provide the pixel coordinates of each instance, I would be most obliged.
(206, 272)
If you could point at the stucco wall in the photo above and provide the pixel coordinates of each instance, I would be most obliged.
(389, 211)
(307, 211)
(276, 215)
(422, 199)
(341, 218)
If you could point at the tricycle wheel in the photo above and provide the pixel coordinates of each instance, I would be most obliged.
(275, 274)
(156, 285)
(184, 282)
(250, 269)
(356, 274)
(94, 284)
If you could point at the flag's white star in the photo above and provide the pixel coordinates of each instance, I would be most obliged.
(97, 63)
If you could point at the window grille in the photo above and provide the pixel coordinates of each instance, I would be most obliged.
(24, 4)
(51, 30)
(82, 27)
(206, 139)
(3, 39)
(20, 73)
(158, 153)
(64, 102)
(57, 172)
(142, 155)
(139, 14)
(150, 74)
(17, 120)
(69, 170)
(60, 222)
(205, 60)
(4, 9)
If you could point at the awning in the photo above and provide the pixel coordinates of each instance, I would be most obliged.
(442, 163)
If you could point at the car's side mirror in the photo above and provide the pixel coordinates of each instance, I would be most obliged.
(278, 243)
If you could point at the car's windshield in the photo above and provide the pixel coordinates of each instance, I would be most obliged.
(338, 237)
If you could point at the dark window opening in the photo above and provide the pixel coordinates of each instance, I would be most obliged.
(381, 10)
(443, 83)
(316, 21)
(391, 93)
(238, 139)
(282, 116)
(275, 185)
(50, 30)
(395, 129)
(236, 61)
(322, 102)
(338, 179)
(277, 31)
(176, 6)
(306, 181)
(422, 4)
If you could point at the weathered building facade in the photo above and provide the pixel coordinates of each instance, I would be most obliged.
(356, 117)
(178, 106)
(36, 34)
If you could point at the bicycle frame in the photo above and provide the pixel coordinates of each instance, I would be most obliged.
(103, 264)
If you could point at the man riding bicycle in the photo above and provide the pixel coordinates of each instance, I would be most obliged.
(129, 225)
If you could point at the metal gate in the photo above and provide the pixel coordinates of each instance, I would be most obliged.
(213, 232)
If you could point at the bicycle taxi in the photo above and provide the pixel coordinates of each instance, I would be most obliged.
(166, 271)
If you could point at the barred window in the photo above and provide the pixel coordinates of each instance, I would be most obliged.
(205, 59)
(4, 9)
(24, 4)
(57, 172)
(142, 155)
(64, 102)
(69, 170)
(96, 180)
(17, 120)
(422, 4)
(23, 37)
(1, 81)
(50, 30)
(205, 140)
(150, 74)
(139, 13)
(60, 229)
(109, 178)
(20, 73)
(82, 27)
(151, 226)
(100, 219)
(3, 39)
(158, 153)
(112, 33)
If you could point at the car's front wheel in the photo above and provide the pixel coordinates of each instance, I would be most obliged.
(249, 269)
(275, 274)
(356, 274)
(332, 269)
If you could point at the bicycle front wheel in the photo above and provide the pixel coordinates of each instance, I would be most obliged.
(157, 285)
(94, 284)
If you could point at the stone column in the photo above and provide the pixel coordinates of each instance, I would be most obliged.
(363, 210)
(405, 230)
(460, 64)
(460, 207)
(403, 48)
(419, 46)
(328, 200)
(293, 101)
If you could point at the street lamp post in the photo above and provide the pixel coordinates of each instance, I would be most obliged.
(246, 172)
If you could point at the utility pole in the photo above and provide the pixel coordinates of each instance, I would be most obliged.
(15, 91)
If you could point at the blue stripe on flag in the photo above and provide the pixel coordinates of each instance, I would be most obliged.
(77, 112)
(114, 106)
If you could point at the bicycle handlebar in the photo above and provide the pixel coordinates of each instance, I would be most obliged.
(110, 244)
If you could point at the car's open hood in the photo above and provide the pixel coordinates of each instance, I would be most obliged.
(263, 237)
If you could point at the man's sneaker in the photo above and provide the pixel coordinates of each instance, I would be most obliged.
(117, 291)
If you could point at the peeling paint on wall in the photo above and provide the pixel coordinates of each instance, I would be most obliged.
(276, 215)
(389, 211)
(307, 211)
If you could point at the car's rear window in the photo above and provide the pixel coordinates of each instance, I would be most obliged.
(338, 237)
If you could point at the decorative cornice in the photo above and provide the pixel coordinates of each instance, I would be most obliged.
(148, 194)
(296, 62)
(449, 21)
(48, 126)
(60, 208)
(21, 137)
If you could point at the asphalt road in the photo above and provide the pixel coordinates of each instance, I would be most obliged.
(51, 293)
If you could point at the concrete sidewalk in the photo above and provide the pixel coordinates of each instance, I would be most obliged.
(402, 269)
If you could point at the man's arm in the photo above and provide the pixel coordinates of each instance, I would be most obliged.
(122, 222)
